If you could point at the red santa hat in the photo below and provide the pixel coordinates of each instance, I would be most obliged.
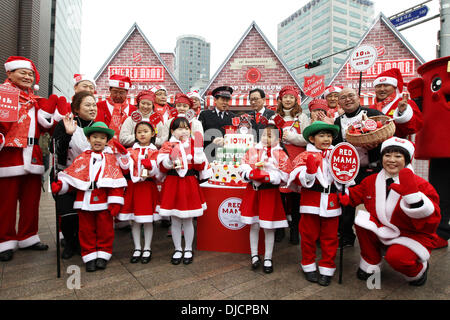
(194, 94)
(77, 78)
(289, 90)
(399, 142)
(182, 98)
(145, 94)
(318, 104)
(17, 62)
(157, 88)
(121, 82)
(331, 89)
(392, 76)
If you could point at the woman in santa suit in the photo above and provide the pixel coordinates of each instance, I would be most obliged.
(402, 215)
(183, 161)
(21, 163)
(265, 167)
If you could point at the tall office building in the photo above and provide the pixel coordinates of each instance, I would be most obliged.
(47, 32)
(192, 62)
(319, 29)
(66, 47)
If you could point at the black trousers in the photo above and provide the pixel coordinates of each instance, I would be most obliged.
(347, 219)
(291, 204)
(439, 177)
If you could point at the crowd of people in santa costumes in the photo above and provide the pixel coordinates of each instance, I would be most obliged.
(111, 156)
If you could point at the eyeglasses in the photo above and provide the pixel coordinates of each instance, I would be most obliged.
(350, 96)
(254, 99)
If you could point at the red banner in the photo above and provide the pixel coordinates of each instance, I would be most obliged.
(9, 104)
(139, 73)
(406, 67)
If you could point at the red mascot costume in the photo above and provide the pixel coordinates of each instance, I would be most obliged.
(431, 92)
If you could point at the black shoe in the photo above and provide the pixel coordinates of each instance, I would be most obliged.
(68, 252)
(6, 255)
(176, 261)
(146, 259)
(255, 264)
(91, 266)
(268, 269)
(294, 236)
(362, 275)
(421, 281)
(279, 234)
(135, 259)
(37, 247)
(324, 280)
(188, 260)
(311, 276)
(101, 263)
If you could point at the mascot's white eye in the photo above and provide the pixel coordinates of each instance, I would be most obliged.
(436, 84)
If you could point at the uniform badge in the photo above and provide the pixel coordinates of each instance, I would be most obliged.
(136, 116)
(95, 198)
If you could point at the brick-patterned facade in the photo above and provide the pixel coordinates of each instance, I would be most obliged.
(395, 48)
(273, 72)
(169, 60)
(136, 51)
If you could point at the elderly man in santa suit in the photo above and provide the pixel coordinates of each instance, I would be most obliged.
(115, 109)
(401, 218)
(391, 100)
(21, 163)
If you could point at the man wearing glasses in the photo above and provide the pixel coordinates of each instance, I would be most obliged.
(369, 157)
(257, 99)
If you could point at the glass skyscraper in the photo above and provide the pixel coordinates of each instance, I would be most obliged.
(319, 29)
(192, 62)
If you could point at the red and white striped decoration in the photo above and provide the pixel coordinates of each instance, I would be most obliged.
(241, 100)
(132, 98)
(367, 99)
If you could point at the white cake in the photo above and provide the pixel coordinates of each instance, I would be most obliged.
(228, 159)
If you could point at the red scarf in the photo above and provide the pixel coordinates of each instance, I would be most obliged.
(161, 110)
(379, 105)
(118, 115)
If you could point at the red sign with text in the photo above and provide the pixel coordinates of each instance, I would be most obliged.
(406, 67)
(9, 104)
(314, 86)
(139, 73)
(344, 162)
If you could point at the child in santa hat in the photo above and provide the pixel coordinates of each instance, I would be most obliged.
(96, 175)
(319, 205)
(183, 161)
(402, 215)
(141, 195)
(293, 122)
(265, 167)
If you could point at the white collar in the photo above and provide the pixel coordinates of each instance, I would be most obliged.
(260, 146)
(262, 110)
(136, 145)
(312, 148)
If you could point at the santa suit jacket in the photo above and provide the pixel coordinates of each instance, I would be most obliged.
(105, 109)
(393, 220)
(410, 122)
(258, 126)
(98, 179)
(315, 202)
(21, 153)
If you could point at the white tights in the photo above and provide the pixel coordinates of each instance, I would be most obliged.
(269, 242)
(188, 227)
(136, 233)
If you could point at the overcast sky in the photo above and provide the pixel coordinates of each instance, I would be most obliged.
(105, 23)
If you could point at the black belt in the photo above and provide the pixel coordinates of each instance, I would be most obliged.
(190, 172)
(32, 141)
(93, 185)
(317, 187)
(264, 186)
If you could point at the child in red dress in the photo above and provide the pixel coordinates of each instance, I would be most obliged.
(183, 161)
(265, 167)
(100, 183)
(142, 196)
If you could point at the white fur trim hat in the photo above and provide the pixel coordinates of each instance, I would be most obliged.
(17, 62)
(121, 82)
(82, 77)
(399, 142)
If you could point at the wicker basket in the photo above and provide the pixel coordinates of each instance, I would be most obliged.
(373, 137)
